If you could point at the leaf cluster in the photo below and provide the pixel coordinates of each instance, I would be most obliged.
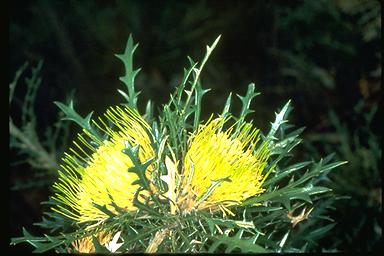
(37, 151)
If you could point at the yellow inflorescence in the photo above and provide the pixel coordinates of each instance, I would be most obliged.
(215, 155)
(85, 245)
(105, 174)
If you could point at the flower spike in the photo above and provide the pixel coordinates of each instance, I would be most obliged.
(221, 168)
(100, 176)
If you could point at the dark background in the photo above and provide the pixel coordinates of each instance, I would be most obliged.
(324, 55)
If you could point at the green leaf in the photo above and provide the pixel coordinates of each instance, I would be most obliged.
(199, 93)
(291, 138)
(149, 112)
(144, 233)
(227, 106)
(266, 219)
(12, 85)
(27, 237)
(104, 209)
(72, 115)
(320, 232)
(53, 243)
(287, 192)
(225, 222)
(129, 78)
(246, 245)
(42, 244)
(33, 84)
(197, 73)
(285, 172)
(279, 120)
(264, 209)
(214, 184)
(138, 168)
(315, 171)
(246, 102)
(176, 112)
(299, 193)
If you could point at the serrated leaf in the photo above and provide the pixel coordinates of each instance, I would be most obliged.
(129, 78)
(72, 115)
(279, 120)
(41, 244)
(246, 102)
(199, 93)
(227, 106)
(246, 245)
(53, 243)
(104, 209)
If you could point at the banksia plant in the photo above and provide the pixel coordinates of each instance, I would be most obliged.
(135, 182)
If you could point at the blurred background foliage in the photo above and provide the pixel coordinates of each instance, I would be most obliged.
(324, 55)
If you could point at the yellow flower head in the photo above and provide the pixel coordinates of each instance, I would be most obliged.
(104, 172)
(222, 168)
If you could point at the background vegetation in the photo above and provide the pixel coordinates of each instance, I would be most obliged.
(324, 55)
